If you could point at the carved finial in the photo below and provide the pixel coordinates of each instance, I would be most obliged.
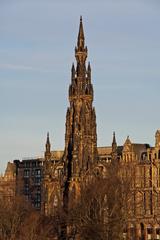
(73, 68)
(89, 66)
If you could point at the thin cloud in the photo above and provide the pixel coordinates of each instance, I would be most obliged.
(16, 67)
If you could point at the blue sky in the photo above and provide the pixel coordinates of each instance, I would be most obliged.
(36, 53)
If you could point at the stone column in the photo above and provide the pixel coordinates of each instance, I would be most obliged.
(154, 235)
(137, 231)
(145, 232)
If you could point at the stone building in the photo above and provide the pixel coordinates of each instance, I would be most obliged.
(48, 182)
(8, 183)
(143, 163)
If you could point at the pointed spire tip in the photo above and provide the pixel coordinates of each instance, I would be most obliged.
(114, 137)
(80, 41)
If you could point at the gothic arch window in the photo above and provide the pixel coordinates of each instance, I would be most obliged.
(150, 176)
(144, 202)
(150, 202)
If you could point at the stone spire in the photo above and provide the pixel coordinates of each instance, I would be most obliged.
(114, 143)
(48, 148)
(80, 137)
(81, 52)
(157, 139)
(81, 39)
(114, 149)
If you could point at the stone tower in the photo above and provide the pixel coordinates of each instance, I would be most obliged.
(80, 138)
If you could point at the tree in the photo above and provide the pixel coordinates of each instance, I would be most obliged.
(12, 215)
(101, 211)
(19, 221)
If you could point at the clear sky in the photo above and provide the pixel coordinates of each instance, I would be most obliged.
(37, 40)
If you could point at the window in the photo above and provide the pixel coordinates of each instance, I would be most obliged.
(151, 202)
(37, 180)
(150, 177)
(38, 197)
(132, 232)
(26, 173)
(38, 172)
(144, 202)
(26, 190)
(34, 164)
(37, 204)
(158, 233)
(28, 164)
(149, 232)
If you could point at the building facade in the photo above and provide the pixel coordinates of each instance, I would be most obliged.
(8, 183)
(48, 182)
